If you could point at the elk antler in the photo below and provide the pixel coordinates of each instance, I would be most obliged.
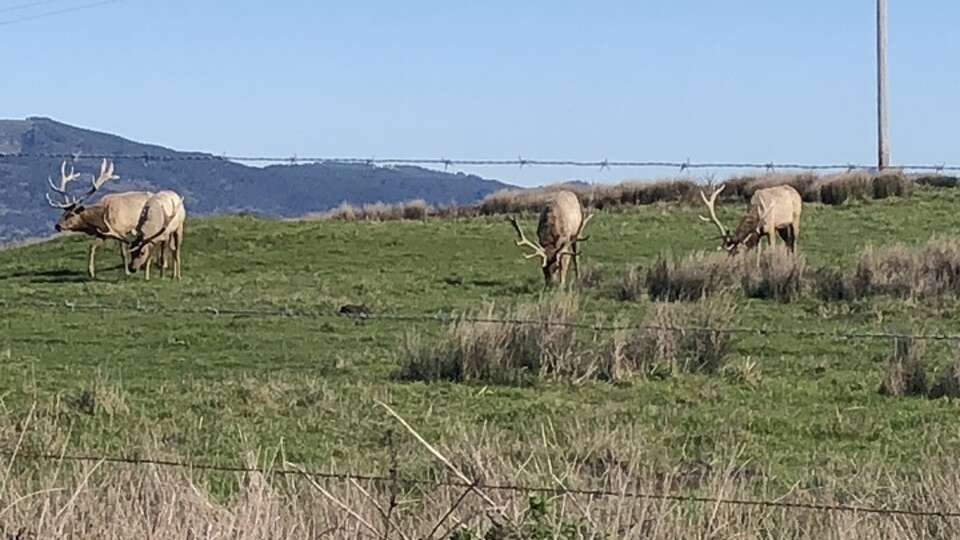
(764, 210)
(711, 206)
(65, 178)
(106, 173)
(538, 251)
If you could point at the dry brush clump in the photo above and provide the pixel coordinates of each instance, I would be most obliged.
(417, 209)
(777, 274)
(698, 275)
(631, 286)
(780, 275)
(674, 338)
(599, 196)
(947, 383)
(906, 372)
(833, 189)
(533, 341)
(930, 270)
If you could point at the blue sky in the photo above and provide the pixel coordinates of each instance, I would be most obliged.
(738, 80)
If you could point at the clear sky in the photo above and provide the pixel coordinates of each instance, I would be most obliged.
(731, 80)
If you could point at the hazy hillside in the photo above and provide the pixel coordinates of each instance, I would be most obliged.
(209, 186)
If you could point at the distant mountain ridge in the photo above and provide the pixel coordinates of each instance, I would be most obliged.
(209, 186)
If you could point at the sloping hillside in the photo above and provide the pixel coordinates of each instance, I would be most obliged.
(210, 186)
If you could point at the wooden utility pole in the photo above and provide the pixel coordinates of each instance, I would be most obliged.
(883, 127)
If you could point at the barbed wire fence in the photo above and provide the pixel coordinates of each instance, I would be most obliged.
(449, 162)
(477, 484)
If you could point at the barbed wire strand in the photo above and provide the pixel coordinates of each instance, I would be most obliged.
(606, 493)
(454, 318)
(518, 162)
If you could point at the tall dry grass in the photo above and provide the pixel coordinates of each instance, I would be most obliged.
(777, 275)
(673, 338)
(929, 270)
(906, 373)
(540, 344)
(833, 190)
(54, 499)
(417, 209)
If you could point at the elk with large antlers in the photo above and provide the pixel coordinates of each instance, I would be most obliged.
(559, 230)
(159, 229)
(113, 217)
(773, 211)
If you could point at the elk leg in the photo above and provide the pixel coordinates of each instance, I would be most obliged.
(125, 255)
(576, 262)
(563, 271)
(162, 259)
(178, 239)
(146, 269)
(91, 262)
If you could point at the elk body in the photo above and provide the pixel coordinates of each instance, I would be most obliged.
(113, 217)
(773, 211)
(559, 229)
(159, 230)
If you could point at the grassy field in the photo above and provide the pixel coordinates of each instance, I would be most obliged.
(173, 378)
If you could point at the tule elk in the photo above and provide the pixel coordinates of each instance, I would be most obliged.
(773, 211)
(113, 217)
(559, 228)
(159, 229)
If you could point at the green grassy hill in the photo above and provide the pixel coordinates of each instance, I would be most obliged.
(173, 368)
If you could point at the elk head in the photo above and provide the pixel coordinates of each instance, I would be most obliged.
(72, 207)
(748, 232)
(553, 258)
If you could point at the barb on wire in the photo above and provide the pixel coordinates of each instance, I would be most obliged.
(288, 312)
(518, 161)
(528, 489)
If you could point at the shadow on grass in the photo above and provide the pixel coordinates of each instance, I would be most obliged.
(60, 275)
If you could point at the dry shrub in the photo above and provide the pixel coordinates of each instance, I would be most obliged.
(599, 196)
(892, 184)
(906, 375)
(591, 276)
(832, 285)
(926, 271)
(417, 209)
(343, 212)
(838, 189)
(743, 187)
(696, 276)
(779, 276)
(543, 345)
(948, 382)
(674, 338)
(937, 180)
(631, 286)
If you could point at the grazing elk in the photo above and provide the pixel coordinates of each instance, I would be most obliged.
(773, 210)
(113, 217)
(559, 228)
(160, 228)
